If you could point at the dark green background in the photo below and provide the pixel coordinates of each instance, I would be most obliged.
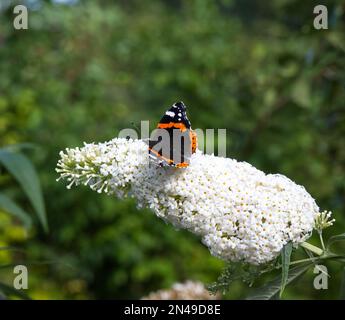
(83, 72)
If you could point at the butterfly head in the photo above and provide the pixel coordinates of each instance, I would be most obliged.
(180, 106)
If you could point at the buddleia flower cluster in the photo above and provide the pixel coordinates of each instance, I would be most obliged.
(323, 220)
(188, 290)
(240, 213)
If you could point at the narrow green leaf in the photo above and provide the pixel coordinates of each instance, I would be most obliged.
(342, 287)
(286, 255)
(11, 207)
(21, 168)
(340, 259)
(332, 240)
(7, 290)
(271, 289)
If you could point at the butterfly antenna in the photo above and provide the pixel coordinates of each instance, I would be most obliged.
(135, 126)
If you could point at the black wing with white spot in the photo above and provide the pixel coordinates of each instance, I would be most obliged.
(176, 114)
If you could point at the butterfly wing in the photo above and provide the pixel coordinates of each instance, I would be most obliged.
(175, 117)
(181, 139)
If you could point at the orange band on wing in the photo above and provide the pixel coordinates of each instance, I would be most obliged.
(179, 125)
(194, 140)
(160, 156)
(182, 165)
(179, 165)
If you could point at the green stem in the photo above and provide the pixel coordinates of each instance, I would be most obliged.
(309, 260)
(312, 248)
(325, 257)
(321, 240)
(300, 261)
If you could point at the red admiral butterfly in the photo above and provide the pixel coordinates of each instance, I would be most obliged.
(174, 141)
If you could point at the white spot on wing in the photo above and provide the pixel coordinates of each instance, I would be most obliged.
(170, 114)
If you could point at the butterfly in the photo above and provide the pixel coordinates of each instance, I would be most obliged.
(174, 141)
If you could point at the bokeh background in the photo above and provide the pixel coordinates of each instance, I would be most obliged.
(86, 69)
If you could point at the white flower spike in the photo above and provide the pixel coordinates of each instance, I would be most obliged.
(241, 213)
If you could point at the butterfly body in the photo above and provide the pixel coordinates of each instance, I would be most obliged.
(174, 141)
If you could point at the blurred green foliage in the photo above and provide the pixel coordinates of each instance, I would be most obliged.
(20, 168)
(86, 70)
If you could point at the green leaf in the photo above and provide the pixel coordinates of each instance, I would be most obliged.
(285, 255)
(332, 240)
(340, 259)
(21, 168)
(342, 287)
(271, 289)
(7, 290)
(11, 207)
